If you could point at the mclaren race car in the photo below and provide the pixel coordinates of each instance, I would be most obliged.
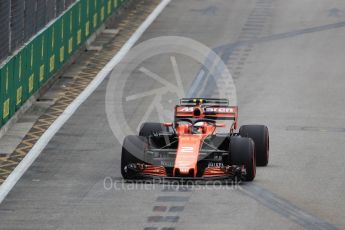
(191, 147)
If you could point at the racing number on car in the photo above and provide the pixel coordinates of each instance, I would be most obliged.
(186, 149)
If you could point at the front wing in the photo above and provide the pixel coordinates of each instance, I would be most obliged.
(147, 171)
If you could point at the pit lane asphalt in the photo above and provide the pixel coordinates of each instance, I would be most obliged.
(287, 60)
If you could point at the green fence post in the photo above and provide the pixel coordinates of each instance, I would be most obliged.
(58, 44)
(65, 28)
(102, 10)
(25, 73)
(71, 28)
(79, 25)
(95, 16)
(51, 59)
(20, 78)
(109, 8)
(86, 17)
(75, 29)
(41, 56)
(31, 73)
(62, 54)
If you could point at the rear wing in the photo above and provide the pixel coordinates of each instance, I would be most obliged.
(214, 109)
(204, 101)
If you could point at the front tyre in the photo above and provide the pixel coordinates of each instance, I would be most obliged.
(260, 136)
(133, 150)
(242, 152)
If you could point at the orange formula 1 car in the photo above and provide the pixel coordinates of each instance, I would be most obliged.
(191, 147)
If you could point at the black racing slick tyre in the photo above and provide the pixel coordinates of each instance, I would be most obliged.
(242, 152)
(133, 150)
(148, 128)
(260, 136)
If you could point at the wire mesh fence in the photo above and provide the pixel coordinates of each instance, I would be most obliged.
(21, 19)
(4, 27)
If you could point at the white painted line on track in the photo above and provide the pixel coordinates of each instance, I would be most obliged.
(36, 150)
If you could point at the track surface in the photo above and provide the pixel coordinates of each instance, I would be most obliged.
(287, 61)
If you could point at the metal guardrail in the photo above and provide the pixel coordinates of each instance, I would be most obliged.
(22, 74)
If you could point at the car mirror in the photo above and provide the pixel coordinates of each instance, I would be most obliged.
(222, 125)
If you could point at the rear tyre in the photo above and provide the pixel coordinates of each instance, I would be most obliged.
(148, 128)
(260, 136)
(133, 150)
(242, 152)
